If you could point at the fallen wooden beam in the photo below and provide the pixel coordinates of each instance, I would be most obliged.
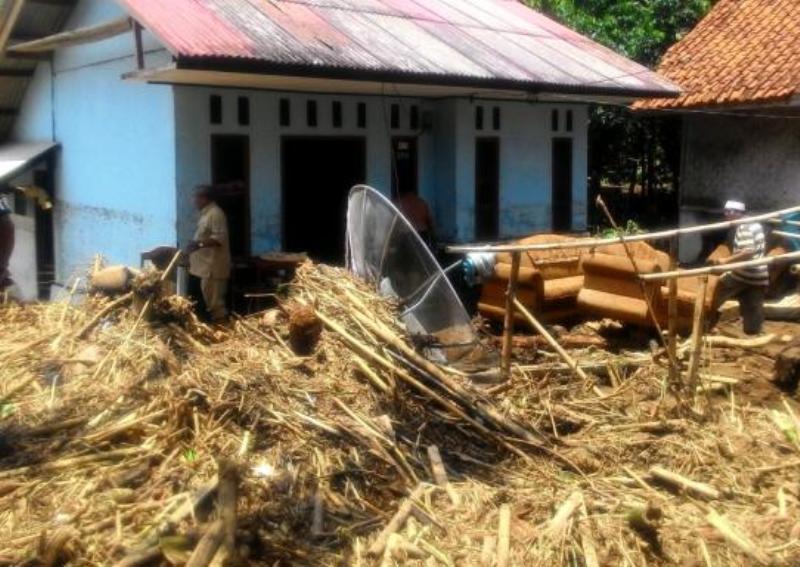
(73, 37)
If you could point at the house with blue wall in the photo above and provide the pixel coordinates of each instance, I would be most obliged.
(481, 106)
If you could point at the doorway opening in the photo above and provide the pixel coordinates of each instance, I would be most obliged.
(45, 241)
(561, 200)
(404, 166)
(318, 174)
(487, 188)
(230, 175)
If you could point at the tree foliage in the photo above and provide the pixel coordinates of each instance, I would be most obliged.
(639, 29)
(635, 152)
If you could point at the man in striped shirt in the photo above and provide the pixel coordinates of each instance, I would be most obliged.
(749, 284)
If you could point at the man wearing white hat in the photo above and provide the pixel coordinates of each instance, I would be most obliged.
(748, 285)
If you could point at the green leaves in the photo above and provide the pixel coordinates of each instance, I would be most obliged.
(640, 29)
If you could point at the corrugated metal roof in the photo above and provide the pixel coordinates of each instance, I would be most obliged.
(481, 42)
(14, 158)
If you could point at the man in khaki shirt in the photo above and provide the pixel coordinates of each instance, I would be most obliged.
(210, 254)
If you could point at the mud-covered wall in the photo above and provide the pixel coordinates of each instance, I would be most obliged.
(752, 159)
(115, 181)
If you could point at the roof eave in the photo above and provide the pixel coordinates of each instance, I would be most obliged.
(257, 66)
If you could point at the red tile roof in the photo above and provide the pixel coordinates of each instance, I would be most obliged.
(743, 52)
(486, 43)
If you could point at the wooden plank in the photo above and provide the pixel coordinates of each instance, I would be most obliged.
(137, 41)
(12, 13)
(645, 236)
(508, 322)
(73, 37)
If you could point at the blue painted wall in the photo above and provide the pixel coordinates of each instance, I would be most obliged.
(115, 182)
(194, 131)
(446, 158)
(132, 152)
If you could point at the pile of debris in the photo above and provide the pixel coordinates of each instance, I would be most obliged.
(314, 434)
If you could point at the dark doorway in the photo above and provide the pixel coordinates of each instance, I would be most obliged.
(45, 246)
(317, 176)
(562, 184)
(230, 174)
(404, 166)
(487, 188)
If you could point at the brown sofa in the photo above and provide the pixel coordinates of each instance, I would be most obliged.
(548, 284)
(612, 288)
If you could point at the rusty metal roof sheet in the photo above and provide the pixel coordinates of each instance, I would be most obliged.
(485, 43)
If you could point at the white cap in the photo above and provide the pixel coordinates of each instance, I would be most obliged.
(735, 206)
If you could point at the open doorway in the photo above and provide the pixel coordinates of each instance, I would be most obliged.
(317, 176)
(230, 175)
(562, 184)
(487, 188)
(404, 166)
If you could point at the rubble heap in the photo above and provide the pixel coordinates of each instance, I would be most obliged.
(132, 434)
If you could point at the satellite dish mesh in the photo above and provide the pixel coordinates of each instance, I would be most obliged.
(385, 250)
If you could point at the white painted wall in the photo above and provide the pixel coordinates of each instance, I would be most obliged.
(446, 160)
(22, 264)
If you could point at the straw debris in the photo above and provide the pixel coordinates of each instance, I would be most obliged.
(132, 434)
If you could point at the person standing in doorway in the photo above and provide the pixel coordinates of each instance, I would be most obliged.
(749, 284)
(210, 255)
(418, 213)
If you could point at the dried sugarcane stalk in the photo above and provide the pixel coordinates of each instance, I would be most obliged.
(86, 329)
(365, 351)
(686, 484)
(732, 536)
(503, 535)
(208, 545)
(227, 499)
(397, 521)
(482, 408)
(557, 525)
(571, 362)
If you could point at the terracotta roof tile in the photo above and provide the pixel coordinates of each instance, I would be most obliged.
(743, 52)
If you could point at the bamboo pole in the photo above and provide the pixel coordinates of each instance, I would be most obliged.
(508, 323)
(672, 314)
(790, 235)
(74, 37)
(571, 362)
(504, 535)
(674, 274)
(597, 242)
(697, 334)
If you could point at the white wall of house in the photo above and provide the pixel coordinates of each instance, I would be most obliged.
(446, 155)
(22, 263)
(116, 174)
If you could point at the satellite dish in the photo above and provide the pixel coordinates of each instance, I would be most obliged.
(385, 250)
